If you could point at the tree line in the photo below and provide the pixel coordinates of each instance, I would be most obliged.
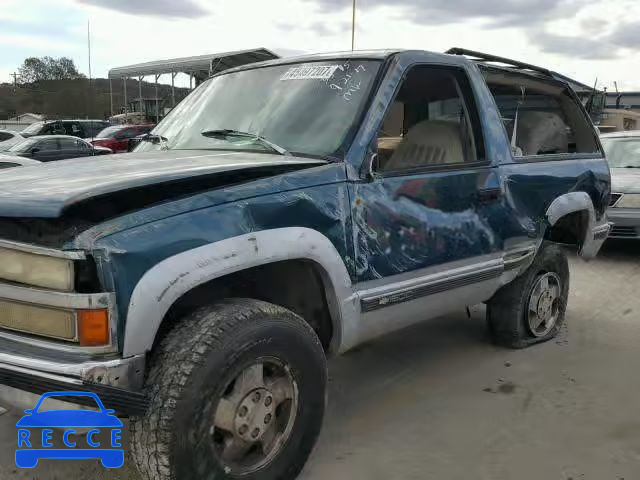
(34, 70)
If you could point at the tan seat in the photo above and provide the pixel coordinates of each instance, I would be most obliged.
(541, 132)
(430, 142)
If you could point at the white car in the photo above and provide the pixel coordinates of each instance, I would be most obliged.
(8, 161)
(8, 139)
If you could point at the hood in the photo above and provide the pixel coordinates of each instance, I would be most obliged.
(46, 190)
(625, 180)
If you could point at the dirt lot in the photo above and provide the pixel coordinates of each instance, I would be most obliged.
(439, 402)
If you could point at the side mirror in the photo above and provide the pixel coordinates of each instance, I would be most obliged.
(35, 150)
(371, 166)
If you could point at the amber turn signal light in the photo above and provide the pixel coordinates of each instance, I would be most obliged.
(93, 327)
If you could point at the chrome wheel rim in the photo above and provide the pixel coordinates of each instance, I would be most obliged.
(254, 417)
(544, 304)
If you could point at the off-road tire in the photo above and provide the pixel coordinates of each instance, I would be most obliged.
(507, 309)
(187, 371)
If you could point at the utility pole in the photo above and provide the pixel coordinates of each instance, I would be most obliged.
(15, 81)
(353, 26)
(90, 92)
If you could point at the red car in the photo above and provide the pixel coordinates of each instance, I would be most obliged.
(117, 137)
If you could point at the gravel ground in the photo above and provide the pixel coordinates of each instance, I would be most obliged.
(439, 402)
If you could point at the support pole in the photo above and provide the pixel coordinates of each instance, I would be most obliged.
(157, 107)
(353, 26)
(173, 92)
(126, 105)
(140, 94)
(111, 96)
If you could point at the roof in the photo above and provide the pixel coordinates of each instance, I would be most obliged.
(27, 114)
(574, 84)
(74, 120)
(47, 137)
(512, 66)
(212, 63)
(314, 57)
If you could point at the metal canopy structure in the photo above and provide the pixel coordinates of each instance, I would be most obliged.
(198, 67)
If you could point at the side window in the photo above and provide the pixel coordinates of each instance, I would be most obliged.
(432, 122)
(546, 118)
(7, 165)
(129, 133)
(48, 145)
(68, 144)
(56, 128)
(74, 129)
(5, 136)
(81, 145)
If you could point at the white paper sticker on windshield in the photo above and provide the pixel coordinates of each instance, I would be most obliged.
(311, 72)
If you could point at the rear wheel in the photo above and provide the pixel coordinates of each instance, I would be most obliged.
(531, 309)
(237, 390)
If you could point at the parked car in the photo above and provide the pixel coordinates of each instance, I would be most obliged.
(117, 137)
(8, 139)
(74, 128)
(623, 154)
(9, 161)
(285, 212)
(48, 148)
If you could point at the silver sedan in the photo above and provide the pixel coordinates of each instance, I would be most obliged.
(623, 154)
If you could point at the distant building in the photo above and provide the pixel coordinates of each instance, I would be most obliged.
(624, 100)
(27, 118)
(147, 106)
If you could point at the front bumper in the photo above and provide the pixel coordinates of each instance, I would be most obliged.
(30, 370)
(626, 222)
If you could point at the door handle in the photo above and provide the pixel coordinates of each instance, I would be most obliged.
(488, 194)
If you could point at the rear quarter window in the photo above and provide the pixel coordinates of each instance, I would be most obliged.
(542, 118)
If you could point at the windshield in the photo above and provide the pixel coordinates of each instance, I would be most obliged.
(622, 152)
(308, 109)
(33, 129)
(23, 146)
(109, 132)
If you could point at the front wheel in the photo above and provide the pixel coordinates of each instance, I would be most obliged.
(237, 390)
(531, 309)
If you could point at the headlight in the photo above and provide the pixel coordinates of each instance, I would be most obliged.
(36, 270)
(629, 200)
(37, 320)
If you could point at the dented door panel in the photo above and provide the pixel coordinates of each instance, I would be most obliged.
(413, 222)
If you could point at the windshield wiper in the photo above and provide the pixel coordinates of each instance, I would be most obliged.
(225, 132)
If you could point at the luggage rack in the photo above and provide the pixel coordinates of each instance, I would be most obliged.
(486, 57)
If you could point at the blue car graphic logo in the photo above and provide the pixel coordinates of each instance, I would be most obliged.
(34, 445)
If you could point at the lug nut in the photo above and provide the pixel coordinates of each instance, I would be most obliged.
(267, 418)
(268, 401)
(255, 433)
(243, 411)
(243, 429)
(256, 397)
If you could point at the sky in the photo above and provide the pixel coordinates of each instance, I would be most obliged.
(584, 39)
